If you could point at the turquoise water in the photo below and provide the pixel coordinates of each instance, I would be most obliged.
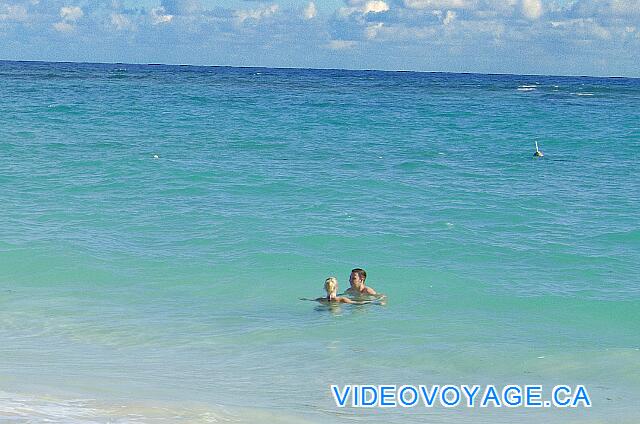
(159, 223)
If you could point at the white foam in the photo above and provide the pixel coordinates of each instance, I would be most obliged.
(27, 408)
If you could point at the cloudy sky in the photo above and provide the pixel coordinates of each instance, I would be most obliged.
(560, 37)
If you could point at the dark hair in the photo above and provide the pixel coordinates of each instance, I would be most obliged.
(361, 272)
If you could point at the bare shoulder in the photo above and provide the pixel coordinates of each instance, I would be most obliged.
(369, 290)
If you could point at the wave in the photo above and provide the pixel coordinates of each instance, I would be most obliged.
(30, 408)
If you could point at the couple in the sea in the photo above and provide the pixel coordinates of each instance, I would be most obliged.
(358, 289)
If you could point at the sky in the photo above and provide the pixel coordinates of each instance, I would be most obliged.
(549, 37)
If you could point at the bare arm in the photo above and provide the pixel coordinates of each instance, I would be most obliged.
(319, 299)
(352, 302)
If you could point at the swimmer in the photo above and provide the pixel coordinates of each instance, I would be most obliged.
(538, 153)
(331, 287)
(357, 279)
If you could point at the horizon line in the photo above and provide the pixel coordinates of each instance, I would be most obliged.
(320, 69)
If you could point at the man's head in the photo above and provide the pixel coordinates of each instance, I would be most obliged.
(357, 277)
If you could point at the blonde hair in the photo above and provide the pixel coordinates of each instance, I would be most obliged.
(331, 285)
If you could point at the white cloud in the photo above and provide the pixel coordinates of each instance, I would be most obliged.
(71, 13)
(478, 28)
(310, 11)
(121, 22)
(360, 7)
(372, 30)
(63, 27)
(583, 28)
(403, 33)
(439, 4)
(341, 44)
(256, 14)
(625, 7)
(13, 13)
(450, 17)
(159, 16)
(375, 6)
(506, 23)
(601, 8)
(531, 9)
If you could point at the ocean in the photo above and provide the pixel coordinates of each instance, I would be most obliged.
(159, 225)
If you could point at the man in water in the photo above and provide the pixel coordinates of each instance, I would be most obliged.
(356, 279)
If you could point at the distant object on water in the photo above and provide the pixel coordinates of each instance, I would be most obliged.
(538, 153)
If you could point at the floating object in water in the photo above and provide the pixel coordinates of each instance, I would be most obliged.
(538, 153)
(156, 157)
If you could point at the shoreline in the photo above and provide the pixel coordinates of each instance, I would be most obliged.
(28, 406)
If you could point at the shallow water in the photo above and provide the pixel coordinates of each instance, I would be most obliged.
(133, 279)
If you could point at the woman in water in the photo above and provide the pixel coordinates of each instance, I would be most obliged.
(331, 287)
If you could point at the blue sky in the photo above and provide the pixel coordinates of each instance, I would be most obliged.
(561, 37)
